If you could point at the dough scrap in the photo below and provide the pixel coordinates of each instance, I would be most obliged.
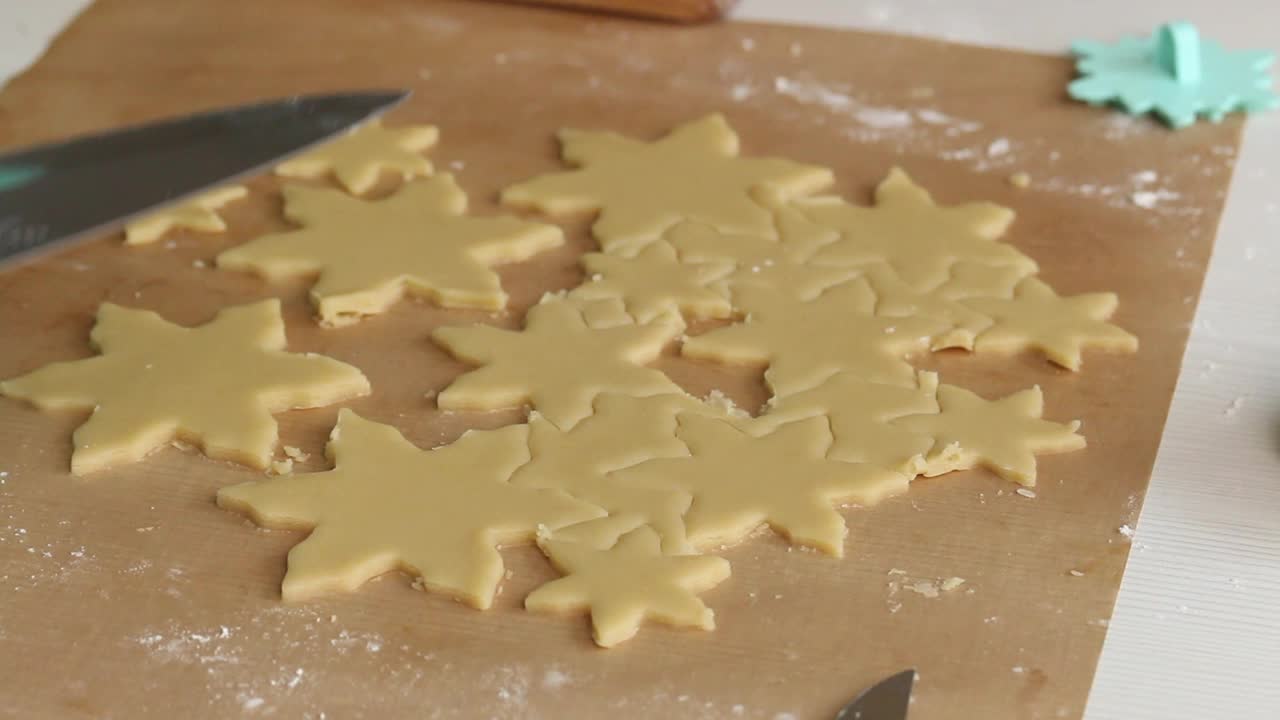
(214, 386)
(1003, 435)
(557, 363)
(778, 264)
(958, 325)
(622, 432)
(357, 158)
(860, 413)
(741, 480)
(806, 342)
(920, 240)
(626, 584)
(197, 214)
(598, 314)
(976, 280)
(370, 254)
(654, 282)
(642, 189)
(437, 514)
(1060, 327)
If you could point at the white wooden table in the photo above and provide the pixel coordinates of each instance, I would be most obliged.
(1196, 633)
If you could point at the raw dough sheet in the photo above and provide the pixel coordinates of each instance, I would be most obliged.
(137, 568)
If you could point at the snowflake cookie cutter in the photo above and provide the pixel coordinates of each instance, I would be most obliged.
(1175, 74)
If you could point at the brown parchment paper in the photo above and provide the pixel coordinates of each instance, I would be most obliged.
(129, 594)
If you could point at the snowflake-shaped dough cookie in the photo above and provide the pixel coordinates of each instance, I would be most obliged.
(1003, 435)
(741, 480)
(437, 514)
(557, 363)
(642, 189)
(1037, 318)
(199, 214)
(1174, 73)
(914, 236)
(369, 254)
(215, 386)
(357, 158)
(626, 584)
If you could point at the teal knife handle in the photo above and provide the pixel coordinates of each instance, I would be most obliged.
(13, 176)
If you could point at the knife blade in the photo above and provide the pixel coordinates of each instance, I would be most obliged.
(62, 191)
(888, 699)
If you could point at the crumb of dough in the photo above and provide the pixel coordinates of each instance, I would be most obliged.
(1026, 492)
(280, 467)
(718, 400)
(1020, 180)
(296, 454)
(951, 583)
(927, 588)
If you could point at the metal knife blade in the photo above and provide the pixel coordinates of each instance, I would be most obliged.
(61, 191)
(886, 700)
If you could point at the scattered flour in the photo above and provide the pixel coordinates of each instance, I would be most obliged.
(1148, 199)
(926, 587)
(554, 679)
(1234, 407)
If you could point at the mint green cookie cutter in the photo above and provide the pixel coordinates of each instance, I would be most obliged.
(1175, 74)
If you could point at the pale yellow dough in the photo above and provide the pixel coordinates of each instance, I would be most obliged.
(622, 477)
(214, 386)
(557, 363)
(642, 189)
(437, 514)
(860, 413)
(370, 254)
(740, 480)
(622, 432)
(357, 158)
(778, 264)
(198, 214)
(918, 239)
(1000, 435)
(804, 343)
(654, 283)
(626, 584)
(597, 314)
(958, 325)
(1036, 318)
